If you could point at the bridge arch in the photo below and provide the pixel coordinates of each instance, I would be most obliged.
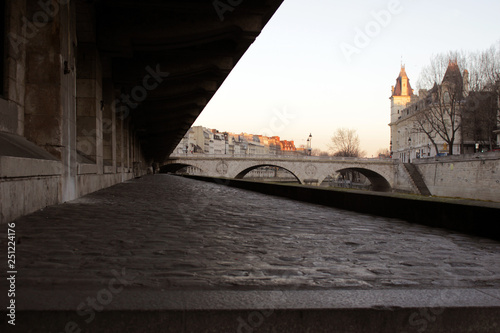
(380, 173)
(242, 173)
(379, 183)
(174, 167)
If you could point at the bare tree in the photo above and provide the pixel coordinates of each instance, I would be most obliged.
(383, 153)
(319, 152)
(458, 96)
(440, 115)
(479, 118)
(480, 112)
(422, 125)
(345, 143)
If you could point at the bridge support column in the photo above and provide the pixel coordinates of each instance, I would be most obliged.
(119, 150)
(88, 101)
(49, 77)
(109, 127)
(45, 111)
(126, 144)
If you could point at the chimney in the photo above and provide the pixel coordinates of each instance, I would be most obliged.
(466, 81)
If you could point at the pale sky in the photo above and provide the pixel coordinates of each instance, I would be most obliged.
(296, 79)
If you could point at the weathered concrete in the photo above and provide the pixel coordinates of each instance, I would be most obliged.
(170, 254)
(293, 311)
(29, 177)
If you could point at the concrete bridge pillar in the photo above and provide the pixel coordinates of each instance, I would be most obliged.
(108, 127)
(45, 59)
(13, 79)
(126, 144)
(88, 104)
(119, 143)
(49, 85)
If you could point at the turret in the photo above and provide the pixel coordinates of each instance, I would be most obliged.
(401, 94)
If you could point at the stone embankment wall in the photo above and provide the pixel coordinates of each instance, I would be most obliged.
(463, 176)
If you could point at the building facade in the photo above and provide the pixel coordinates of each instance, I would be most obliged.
(446, 119)
(202, 140)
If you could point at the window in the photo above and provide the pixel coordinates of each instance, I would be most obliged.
(2, 45)
(447, 97)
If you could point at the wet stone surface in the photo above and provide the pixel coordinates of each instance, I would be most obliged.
(171, 233)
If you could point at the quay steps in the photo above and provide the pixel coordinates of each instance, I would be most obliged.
(417, 179)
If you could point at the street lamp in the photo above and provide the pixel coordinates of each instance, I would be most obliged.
(309, 139)
(409, 153)
(428, 149)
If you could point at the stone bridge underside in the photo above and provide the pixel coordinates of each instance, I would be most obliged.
(92, 92)
(379, 172)
(196, 42)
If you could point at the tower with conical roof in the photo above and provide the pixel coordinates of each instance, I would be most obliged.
(454, 81)
(401, 94)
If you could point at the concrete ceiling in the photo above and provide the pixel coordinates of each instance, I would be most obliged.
(197, 44)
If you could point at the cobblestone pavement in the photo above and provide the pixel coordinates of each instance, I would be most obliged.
(174, 233)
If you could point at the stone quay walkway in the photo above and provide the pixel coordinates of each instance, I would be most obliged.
(139, 256)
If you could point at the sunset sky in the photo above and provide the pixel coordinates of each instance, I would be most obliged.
(319, 65)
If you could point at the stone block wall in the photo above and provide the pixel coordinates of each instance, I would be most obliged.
(12, 102)
(402, 181)
(58, 96)
(474, 176)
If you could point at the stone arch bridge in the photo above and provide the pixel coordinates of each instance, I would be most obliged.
(381, 173)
